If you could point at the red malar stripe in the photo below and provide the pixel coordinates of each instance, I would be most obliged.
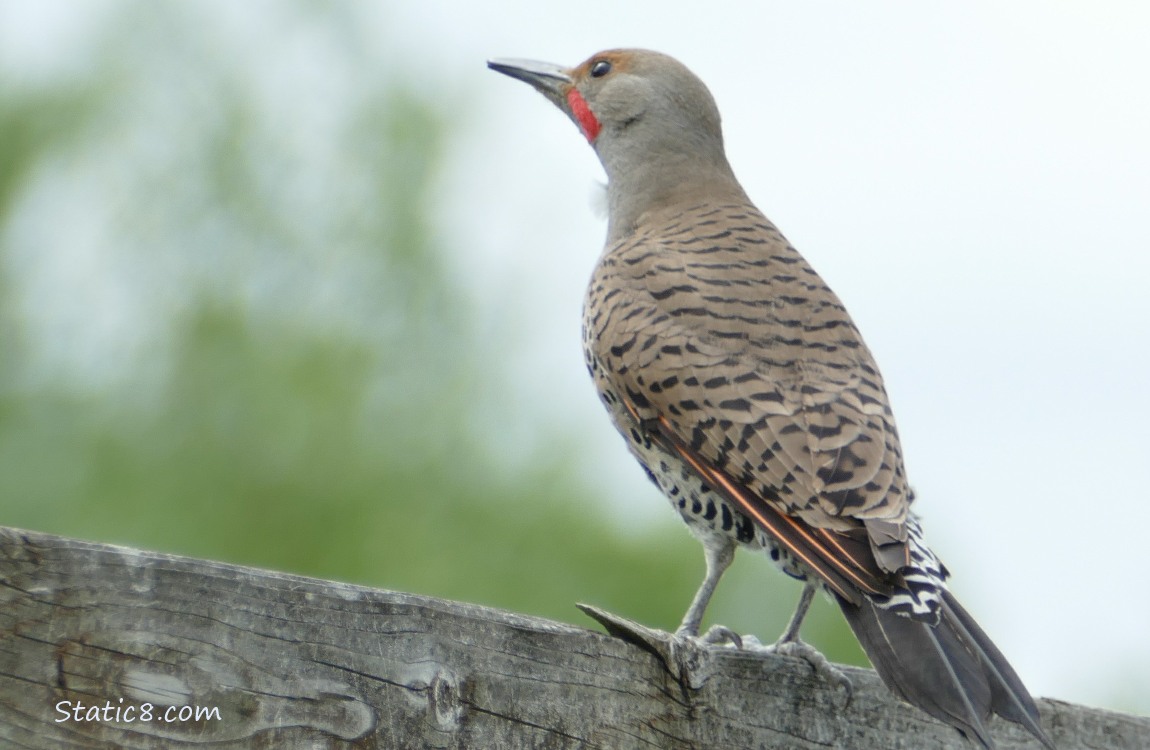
(587, 122)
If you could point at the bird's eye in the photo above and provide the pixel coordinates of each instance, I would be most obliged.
(600, 69)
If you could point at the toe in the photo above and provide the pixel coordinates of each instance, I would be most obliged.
(821, 665)
(720, 635)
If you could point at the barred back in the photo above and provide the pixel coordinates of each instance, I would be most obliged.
(709, 320)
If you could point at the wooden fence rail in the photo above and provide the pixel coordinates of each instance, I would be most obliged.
(108, 647)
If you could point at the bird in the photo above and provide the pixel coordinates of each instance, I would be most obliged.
(744, 389)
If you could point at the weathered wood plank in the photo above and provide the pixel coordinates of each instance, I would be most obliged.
(288, 662)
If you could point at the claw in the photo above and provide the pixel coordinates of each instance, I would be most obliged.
(822, 666)
(721, 635)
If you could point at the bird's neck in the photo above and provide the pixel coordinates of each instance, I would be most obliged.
(662, 184)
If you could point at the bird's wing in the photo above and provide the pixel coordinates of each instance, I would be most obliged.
(842, 559)
(745, 460)
(770, 393)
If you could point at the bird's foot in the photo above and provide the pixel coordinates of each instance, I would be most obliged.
(818, 662)
(718, 635)
(686, 655)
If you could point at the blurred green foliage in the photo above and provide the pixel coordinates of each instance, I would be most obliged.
(266, 359)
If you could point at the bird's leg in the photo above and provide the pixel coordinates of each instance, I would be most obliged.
(789, 643)
(791, 633)
(680, 651)
(719, 552)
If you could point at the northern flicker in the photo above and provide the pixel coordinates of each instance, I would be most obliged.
(747, 393)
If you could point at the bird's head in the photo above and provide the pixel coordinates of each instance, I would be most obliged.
(632, 105)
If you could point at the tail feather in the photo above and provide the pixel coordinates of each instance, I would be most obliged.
(951, 670)
(1010, 698)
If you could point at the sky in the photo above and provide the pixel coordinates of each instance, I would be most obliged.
(972, 179)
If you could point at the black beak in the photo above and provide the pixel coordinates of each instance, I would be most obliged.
(548, 79)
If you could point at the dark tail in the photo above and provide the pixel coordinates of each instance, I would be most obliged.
(950, 670)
